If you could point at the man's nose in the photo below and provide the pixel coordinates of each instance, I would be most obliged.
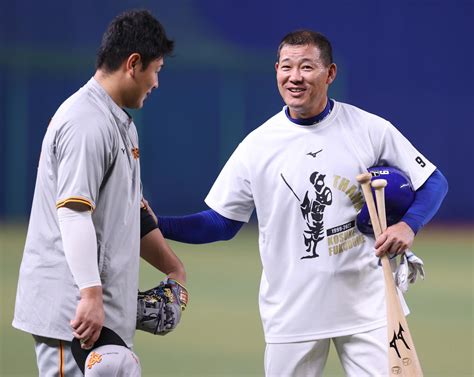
(156, 82)
(296, 75)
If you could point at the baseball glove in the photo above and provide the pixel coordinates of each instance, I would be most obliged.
(159, 309)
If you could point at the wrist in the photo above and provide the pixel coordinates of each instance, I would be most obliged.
(412, 222)
(94, 293)
(178, 276)
(408, 227)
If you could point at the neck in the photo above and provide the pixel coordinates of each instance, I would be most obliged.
(314, 119)
(111, 84)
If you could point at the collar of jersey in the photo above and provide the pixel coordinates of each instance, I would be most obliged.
(120, 114)
(313, 120)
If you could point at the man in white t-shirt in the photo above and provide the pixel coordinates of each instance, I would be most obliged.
(321, 280)
(80, 264)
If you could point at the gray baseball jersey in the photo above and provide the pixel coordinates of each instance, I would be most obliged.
(89, 155)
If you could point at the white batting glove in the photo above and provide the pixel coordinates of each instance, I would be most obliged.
(415, 267)
(407, 271)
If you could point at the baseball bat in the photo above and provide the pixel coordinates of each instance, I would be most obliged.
(402, 357)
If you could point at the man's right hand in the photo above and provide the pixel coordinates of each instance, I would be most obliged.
(89, 317)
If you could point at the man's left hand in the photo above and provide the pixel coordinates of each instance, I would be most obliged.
(396, 239)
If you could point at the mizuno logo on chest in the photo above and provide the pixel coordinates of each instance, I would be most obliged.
(314, 154)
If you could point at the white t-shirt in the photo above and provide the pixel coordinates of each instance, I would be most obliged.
(89, 155)
(320, 277)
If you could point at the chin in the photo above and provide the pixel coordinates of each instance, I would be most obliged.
(135, 106)
(295, 104)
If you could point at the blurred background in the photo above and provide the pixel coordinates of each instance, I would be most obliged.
(409, 61)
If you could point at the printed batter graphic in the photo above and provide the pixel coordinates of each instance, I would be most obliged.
(312, 208)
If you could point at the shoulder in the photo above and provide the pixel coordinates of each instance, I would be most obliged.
(355, 112)
(361, 122)
(268, 127)
(82, 113)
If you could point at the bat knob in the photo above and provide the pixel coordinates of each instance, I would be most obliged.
(379, 183)
(364, 178)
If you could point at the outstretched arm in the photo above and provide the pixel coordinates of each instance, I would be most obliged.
(203, 227)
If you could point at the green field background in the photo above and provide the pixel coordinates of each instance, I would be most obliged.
(220, 333)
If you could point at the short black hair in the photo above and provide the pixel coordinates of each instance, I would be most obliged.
(304, 37)
(134, 31)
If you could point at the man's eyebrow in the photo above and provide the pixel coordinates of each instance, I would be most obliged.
(304, 60)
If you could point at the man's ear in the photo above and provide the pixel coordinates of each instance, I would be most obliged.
(332, 71)
(133, 63)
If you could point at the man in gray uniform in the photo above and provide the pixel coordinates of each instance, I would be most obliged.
(80, 265)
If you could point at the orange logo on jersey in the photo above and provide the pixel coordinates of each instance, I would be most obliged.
(94, 358)
(183, 297)
(135, 153)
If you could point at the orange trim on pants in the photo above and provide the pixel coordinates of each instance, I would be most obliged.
(61, 359)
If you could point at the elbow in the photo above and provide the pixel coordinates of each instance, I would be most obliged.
(231, 233)
(231, 229)
(443, 183)
(446, 186)
(228, 236)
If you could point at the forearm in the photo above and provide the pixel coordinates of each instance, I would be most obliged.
(428, 199)
(80, 246)
(156, 251)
